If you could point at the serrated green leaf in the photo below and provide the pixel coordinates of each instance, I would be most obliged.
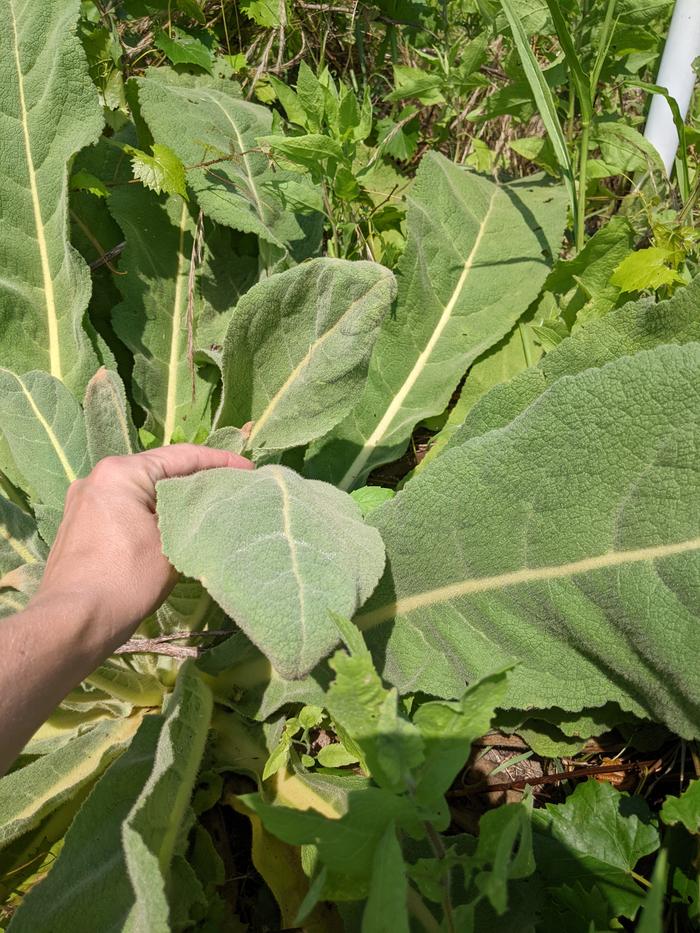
(549, 574)
(45, 430)
(160, 172)
(684, 809)
(236, 191)
(646, 268)
(448, 730)
(368, 721)
(109, 427)
(300, 549)
(386, 910)
(462, 286)
(298, 348)
(596, 837)
(49, 111)
(86, 181)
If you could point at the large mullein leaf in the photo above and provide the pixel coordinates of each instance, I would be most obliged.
(640, 325)
(298, 347)
(277, 552)
(19, 542)
(152, 319)
(109, 428)
(140, 805)
(150, 833)
(45, 430)
(476, 256)
(586, 574)
(96, 858)
(49, 111)
(30, 793)
(239, 190)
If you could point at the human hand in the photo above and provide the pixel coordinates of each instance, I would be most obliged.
(107, 561)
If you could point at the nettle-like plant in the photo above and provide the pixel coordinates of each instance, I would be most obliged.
(545, 554)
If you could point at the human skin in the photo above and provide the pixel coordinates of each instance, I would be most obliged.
(105, 573)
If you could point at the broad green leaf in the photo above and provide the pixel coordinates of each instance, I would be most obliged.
(152, 319)
(346, 845)
(104, 896)
(236, 191)
(298, 347)
(19, 542)
(299, 548)
(49, 111)
(637, 326)
(184, 49)
(448, 730)
(371, 497)
(44, 428)
(684, 809)
(151, 830)
(595, 838)
(585, 575)
(108, 425)
(386, 910)
(189, 608)
(462, 286)
(30, 793)
(503, 852)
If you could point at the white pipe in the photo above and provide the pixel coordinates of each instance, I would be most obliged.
(677, 76)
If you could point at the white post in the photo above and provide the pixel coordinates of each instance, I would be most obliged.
(677, 76)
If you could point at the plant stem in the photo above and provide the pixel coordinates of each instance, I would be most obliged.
(439, 852)
(582, 180)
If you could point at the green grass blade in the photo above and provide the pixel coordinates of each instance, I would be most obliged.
(543, 99)
(578, 76)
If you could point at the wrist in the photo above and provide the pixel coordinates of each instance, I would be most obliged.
(78, 619)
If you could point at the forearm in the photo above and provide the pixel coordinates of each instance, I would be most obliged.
(45, 651)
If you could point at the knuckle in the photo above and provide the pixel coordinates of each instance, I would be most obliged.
(107, 469)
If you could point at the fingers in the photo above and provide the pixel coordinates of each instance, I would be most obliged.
(183, 459)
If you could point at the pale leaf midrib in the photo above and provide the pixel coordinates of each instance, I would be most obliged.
(301, 365)
(49, 295)
(85, 765)
(244, 157)
(293, 556)
(174, 359)
(17, 546)
(53, 440)
(395, 406)
(520, 577)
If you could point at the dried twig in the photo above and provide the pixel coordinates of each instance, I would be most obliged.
(106, 258)
(485, 788)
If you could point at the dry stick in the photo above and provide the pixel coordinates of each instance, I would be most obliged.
(482, 788)
(106, 258)
(160, 645)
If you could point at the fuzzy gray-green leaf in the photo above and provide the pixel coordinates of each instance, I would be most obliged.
(298, 347)
(476, 256)
(49, 110)
(586, 575)
(276, 551)
(44, 428)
